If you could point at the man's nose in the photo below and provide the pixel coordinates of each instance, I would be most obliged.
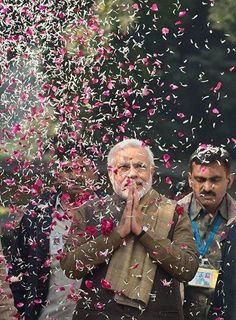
(132, 172)
(208, 185)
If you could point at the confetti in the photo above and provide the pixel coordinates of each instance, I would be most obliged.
(97, 73)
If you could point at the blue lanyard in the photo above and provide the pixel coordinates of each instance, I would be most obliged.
(203, 249)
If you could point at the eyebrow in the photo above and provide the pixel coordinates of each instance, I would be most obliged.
(122, 164)
(213, 177)
(127, 162)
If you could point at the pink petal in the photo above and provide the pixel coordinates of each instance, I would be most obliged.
(165, 31)
(105, 284)
(181, 115)
(166, 157)
(151, 112)
(215, 111)
(168, 180)
(154, 7)
(182, 14)
(218, 86)
(173, 86)
(135, 6)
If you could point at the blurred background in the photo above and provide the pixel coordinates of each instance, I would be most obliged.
(96, 72)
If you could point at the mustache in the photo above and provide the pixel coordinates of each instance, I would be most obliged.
(130, 182)
(207, 193)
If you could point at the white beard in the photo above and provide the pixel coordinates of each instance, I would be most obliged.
(119, 189)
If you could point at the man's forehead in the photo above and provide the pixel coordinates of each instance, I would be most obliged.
(214, 169)
(129, 154)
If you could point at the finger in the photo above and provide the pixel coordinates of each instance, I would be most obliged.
(135, 199)
(130, 197)
(129, 203)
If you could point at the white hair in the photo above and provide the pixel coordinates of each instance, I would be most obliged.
(135, 143)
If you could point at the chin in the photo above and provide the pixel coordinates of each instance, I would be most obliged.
(124, 193)
(210, 201)
(209, 204)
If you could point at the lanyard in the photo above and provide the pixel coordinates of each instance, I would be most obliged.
(203, 249)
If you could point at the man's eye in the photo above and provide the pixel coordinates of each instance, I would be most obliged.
(141, 166)
(200, 180)
(123, 168)
(215, 180)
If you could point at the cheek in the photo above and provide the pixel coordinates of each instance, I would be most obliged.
(222, 189)
(196, 187)
(145, 176)
(115, 179)
(119, 178)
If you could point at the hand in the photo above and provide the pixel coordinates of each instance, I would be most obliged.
(137, 216)
(124, 227)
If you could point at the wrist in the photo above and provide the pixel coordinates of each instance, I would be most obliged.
(121, 232)
(142, 232)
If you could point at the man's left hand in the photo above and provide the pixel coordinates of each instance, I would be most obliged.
(137, 216)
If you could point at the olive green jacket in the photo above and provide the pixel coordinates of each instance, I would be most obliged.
(84, 252)
(90, 250)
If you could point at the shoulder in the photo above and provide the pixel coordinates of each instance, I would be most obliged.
(166, 207)
(93, 207)
(159, 199)
(38, 206)
(231, 203)
(185, 200)
(97, 202)
(232, 224)
(44, 199)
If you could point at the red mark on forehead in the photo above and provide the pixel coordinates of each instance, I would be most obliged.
(203, 168)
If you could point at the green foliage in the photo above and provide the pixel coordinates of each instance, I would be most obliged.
(223, 16)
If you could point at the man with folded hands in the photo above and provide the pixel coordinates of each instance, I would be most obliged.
(131, 249)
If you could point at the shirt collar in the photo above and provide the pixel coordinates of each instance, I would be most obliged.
(195, 208)
(58, 205)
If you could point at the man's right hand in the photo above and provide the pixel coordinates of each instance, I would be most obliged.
(124, 227)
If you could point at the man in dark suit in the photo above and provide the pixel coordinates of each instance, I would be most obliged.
(41, 291)
(224, 303)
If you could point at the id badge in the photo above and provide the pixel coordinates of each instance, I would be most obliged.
(56, 242)
(205, 277)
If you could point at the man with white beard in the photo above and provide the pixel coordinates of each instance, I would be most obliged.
(131, 249)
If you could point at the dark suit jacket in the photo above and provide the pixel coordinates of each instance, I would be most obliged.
(28, 257)
(224, 303)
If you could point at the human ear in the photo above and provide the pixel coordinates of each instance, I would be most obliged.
(152, 170)
(190, 182)
(230, 178)
(110, 174)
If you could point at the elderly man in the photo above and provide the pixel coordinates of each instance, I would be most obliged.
(209, 207)
(132, 248)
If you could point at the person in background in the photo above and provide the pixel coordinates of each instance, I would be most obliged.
(7, 309)
(210, 207)
(180, 190)
(132, 248)
(40, 289)
(224, 302)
